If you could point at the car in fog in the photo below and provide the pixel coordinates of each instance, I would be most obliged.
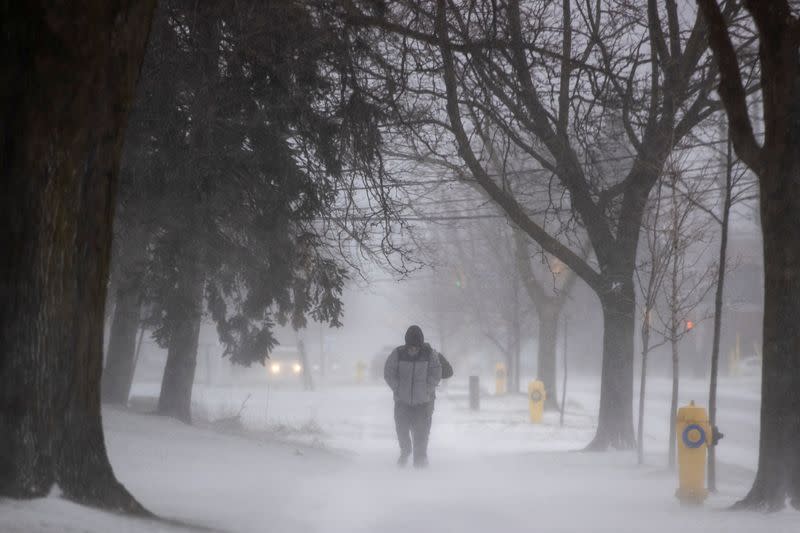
(285, 365)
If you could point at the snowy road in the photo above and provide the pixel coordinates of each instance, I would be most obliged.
(491, 471)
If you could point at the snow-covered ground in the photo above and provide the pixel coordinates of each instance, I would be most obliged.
(324, 462)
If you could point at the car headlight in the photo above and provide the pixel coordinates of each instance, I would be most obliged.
(297, 368)
(275, 368)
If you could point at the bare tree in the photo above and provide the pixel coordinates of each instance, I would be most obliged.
(724, 222)
(554, 92)
(688, 281)
(732, 185)
(674, 278)
(650, 275)
(735, 189)
(776, 162)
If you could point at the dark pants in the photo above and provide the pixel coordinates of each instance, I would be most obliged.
(413, 424)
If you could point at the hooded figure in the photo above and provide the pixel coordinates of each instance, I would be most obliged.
(413, 371)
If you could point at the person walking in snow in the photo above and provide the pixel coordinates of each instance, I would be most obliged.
(413, 371)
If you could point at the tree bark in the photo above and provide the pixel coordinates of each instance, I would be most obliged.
(546, 357)
(66, 85)
(185, 317)
(615, 421)
(121, 355)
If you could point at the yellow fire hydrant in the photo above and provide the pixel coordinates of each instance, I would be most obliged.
(361, 368)
(694, 436)
(536, 397)
(500, 376)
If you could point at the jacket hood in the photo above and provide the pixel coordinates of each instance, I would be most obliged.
(414, 336)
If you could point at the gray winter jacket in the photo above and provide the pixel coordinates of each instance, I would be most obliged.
(413, 379)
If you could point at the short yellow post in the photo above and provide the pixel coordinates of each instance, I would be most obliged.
(500, 376)
(694, 436)
(361, 368)
(536, 397)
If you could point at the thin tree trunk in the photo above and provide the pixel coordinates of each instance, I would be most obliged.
(615, 421)
(184, 321)
(674, 319)
(673, 406)
(308, 381)
(517, 378)
(516, 348)
(516, 338)
(566, 371)
(642, 389)
(723, 258)
(138, 349)
(546, 357)
(66, 84)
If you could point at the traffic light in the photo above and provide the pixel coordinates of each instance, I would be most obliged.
(689, 325)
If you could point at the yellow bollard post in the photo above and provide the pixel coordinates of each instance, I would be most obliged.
(536, 397)
(694, 436)
(361, 367)
(500, 376)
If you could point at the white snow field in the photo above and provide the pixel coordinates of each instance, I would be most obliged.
(324, 462)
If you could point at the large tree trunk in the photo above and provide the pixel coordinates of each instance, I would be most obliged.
(185, 317)
(615, 421)
(121, 353)
(778, 473)
(546, 357)
(66, 84)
